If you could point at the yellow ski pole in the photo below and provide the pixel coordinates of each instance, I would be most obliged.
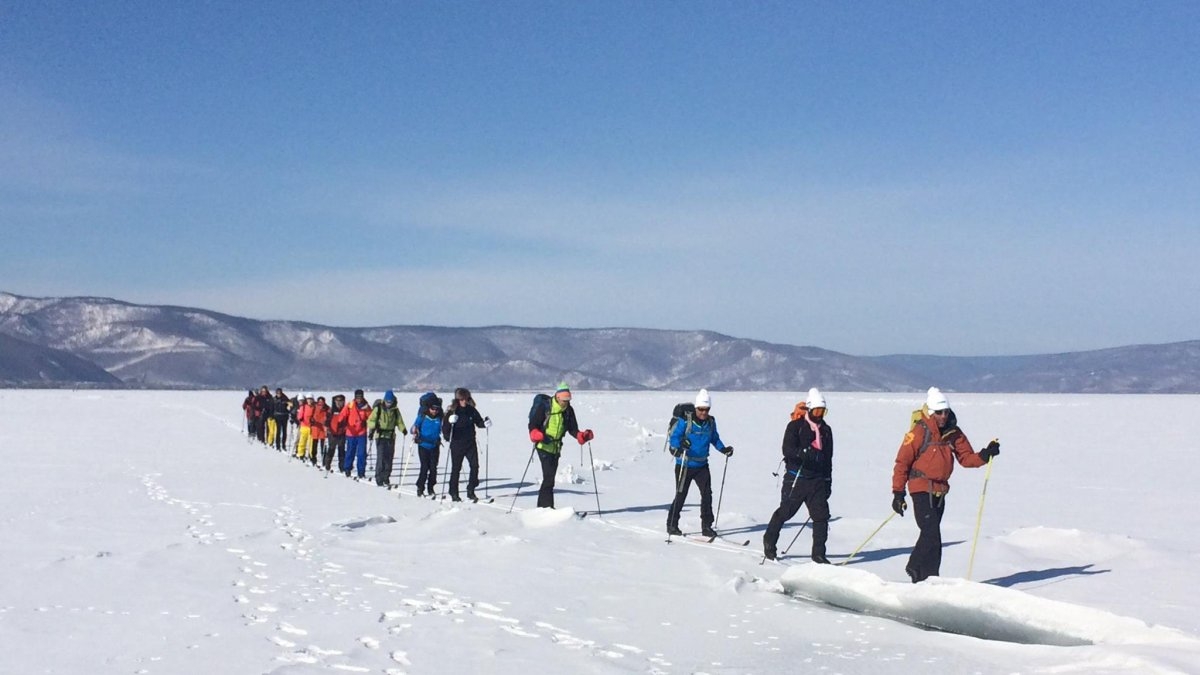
(979, 518)
(869, 538)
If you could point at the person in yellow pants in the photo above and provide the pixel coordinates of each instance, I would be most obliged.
(304, 419)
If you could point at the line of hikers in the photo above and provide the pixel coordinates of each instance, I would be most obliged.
(922, 468)
(343, 429)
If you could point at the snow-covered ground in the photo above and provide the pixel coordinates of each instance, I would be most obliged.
(142, 533)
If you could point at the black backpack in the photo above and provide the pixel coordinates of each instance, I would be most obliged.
(427, 400)
(540, 408)
(683, 412)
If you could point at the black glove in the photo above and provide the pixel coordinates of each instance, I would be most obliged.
(728, 451)
(990, 451)
(898, 503)
(677, 452)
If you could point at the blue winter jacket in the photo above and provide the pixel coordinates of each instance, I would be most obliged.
(429, 432)
(700, 436)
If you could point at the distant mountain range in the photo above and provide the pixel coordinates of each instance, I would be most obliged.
(100, 342)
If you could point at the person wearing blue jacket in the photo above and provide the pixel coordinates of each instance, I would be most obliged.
(427, 435)
(690, 442)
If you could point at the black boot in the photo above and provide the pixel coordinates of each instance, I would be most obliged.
(708, 531)
(674, 530)
(820, 559)
(769, 551)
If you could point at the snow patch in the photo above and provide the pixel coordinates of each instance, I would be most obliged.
(536, 518)
(970, 608)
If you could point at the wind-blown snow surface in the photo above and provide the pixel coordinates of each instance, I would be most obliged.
(143, 534)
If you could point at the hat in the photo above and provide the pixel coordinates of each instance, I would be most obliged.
(358, 392)
(389, 397)
(935, 400)
(562, 386)
(815, 398)
(703, 400)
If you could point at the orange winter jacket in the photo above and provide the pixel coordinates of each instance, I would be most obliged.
(319, 420)
(356, 418)
(926, 457)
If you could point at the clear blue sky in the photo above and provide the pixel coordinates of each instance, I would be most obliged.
(876, 177)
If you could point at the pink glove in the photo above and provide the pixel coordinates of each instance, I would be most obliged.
(584, 436)
(536, 435)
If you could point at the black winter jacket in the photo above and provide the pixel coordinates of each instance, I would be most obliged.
(799, 455)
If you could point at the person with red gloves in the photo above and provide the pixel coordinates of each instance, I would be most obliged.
(547, 428)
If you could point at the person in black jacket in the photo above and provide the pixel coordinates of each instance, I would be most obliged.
(808, 455)
(458, 427)
(281, 409)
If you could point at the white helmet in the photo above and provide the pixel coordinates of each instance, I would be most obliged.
(935, 400)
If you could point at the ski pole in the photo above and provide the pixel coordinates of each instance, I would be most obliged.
(398, 465)
(806, 522)
(595, 486)
(407, 457)
(721, 493)
(979, 518)
(869, 538)
(449, 451)
(523, 474)
(487, 442)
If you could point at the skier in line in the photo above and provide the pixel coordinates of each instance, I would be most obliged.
(427, 436)
(320, 429)
(355, 416)
(248, 407)
(462, 419)
(808, 456)
(547, 429)
(924, 463)
(337, 434)
(304, 419)
(262, 409)
(281, 408)
(690, 442)
(384, 425)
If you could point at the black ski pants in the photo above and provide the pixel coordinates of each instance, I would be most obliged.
(813, 492)
(926, 558)
(549, 470)
(337, 443)
(281, 425)
(385, 452)
(427, 476)
(683, 482)
(469, 452)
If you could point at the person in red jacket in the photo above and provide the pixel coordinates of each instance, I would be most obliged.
(355, 415)
(320, 425)
(924, 464)
(337, 433)
(248, 406)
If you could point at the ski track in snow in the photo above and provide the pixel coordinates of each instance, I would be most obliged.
(267, 601)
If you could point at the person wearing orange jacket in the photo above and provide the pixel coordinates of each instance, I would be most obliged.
(923, 465)
(304, 420)
(320, 423)
(337, 434)
(355, 415)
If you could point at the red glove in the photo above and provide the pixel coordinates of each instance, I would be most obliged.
(584, 436)
(536, 435)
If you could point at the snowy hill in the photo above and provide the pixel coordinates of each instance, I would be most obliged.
(166, 346)
(174, 546)
(25, 364)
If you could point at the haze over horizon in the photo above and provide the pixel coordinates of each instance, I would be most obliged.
(870, 179)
